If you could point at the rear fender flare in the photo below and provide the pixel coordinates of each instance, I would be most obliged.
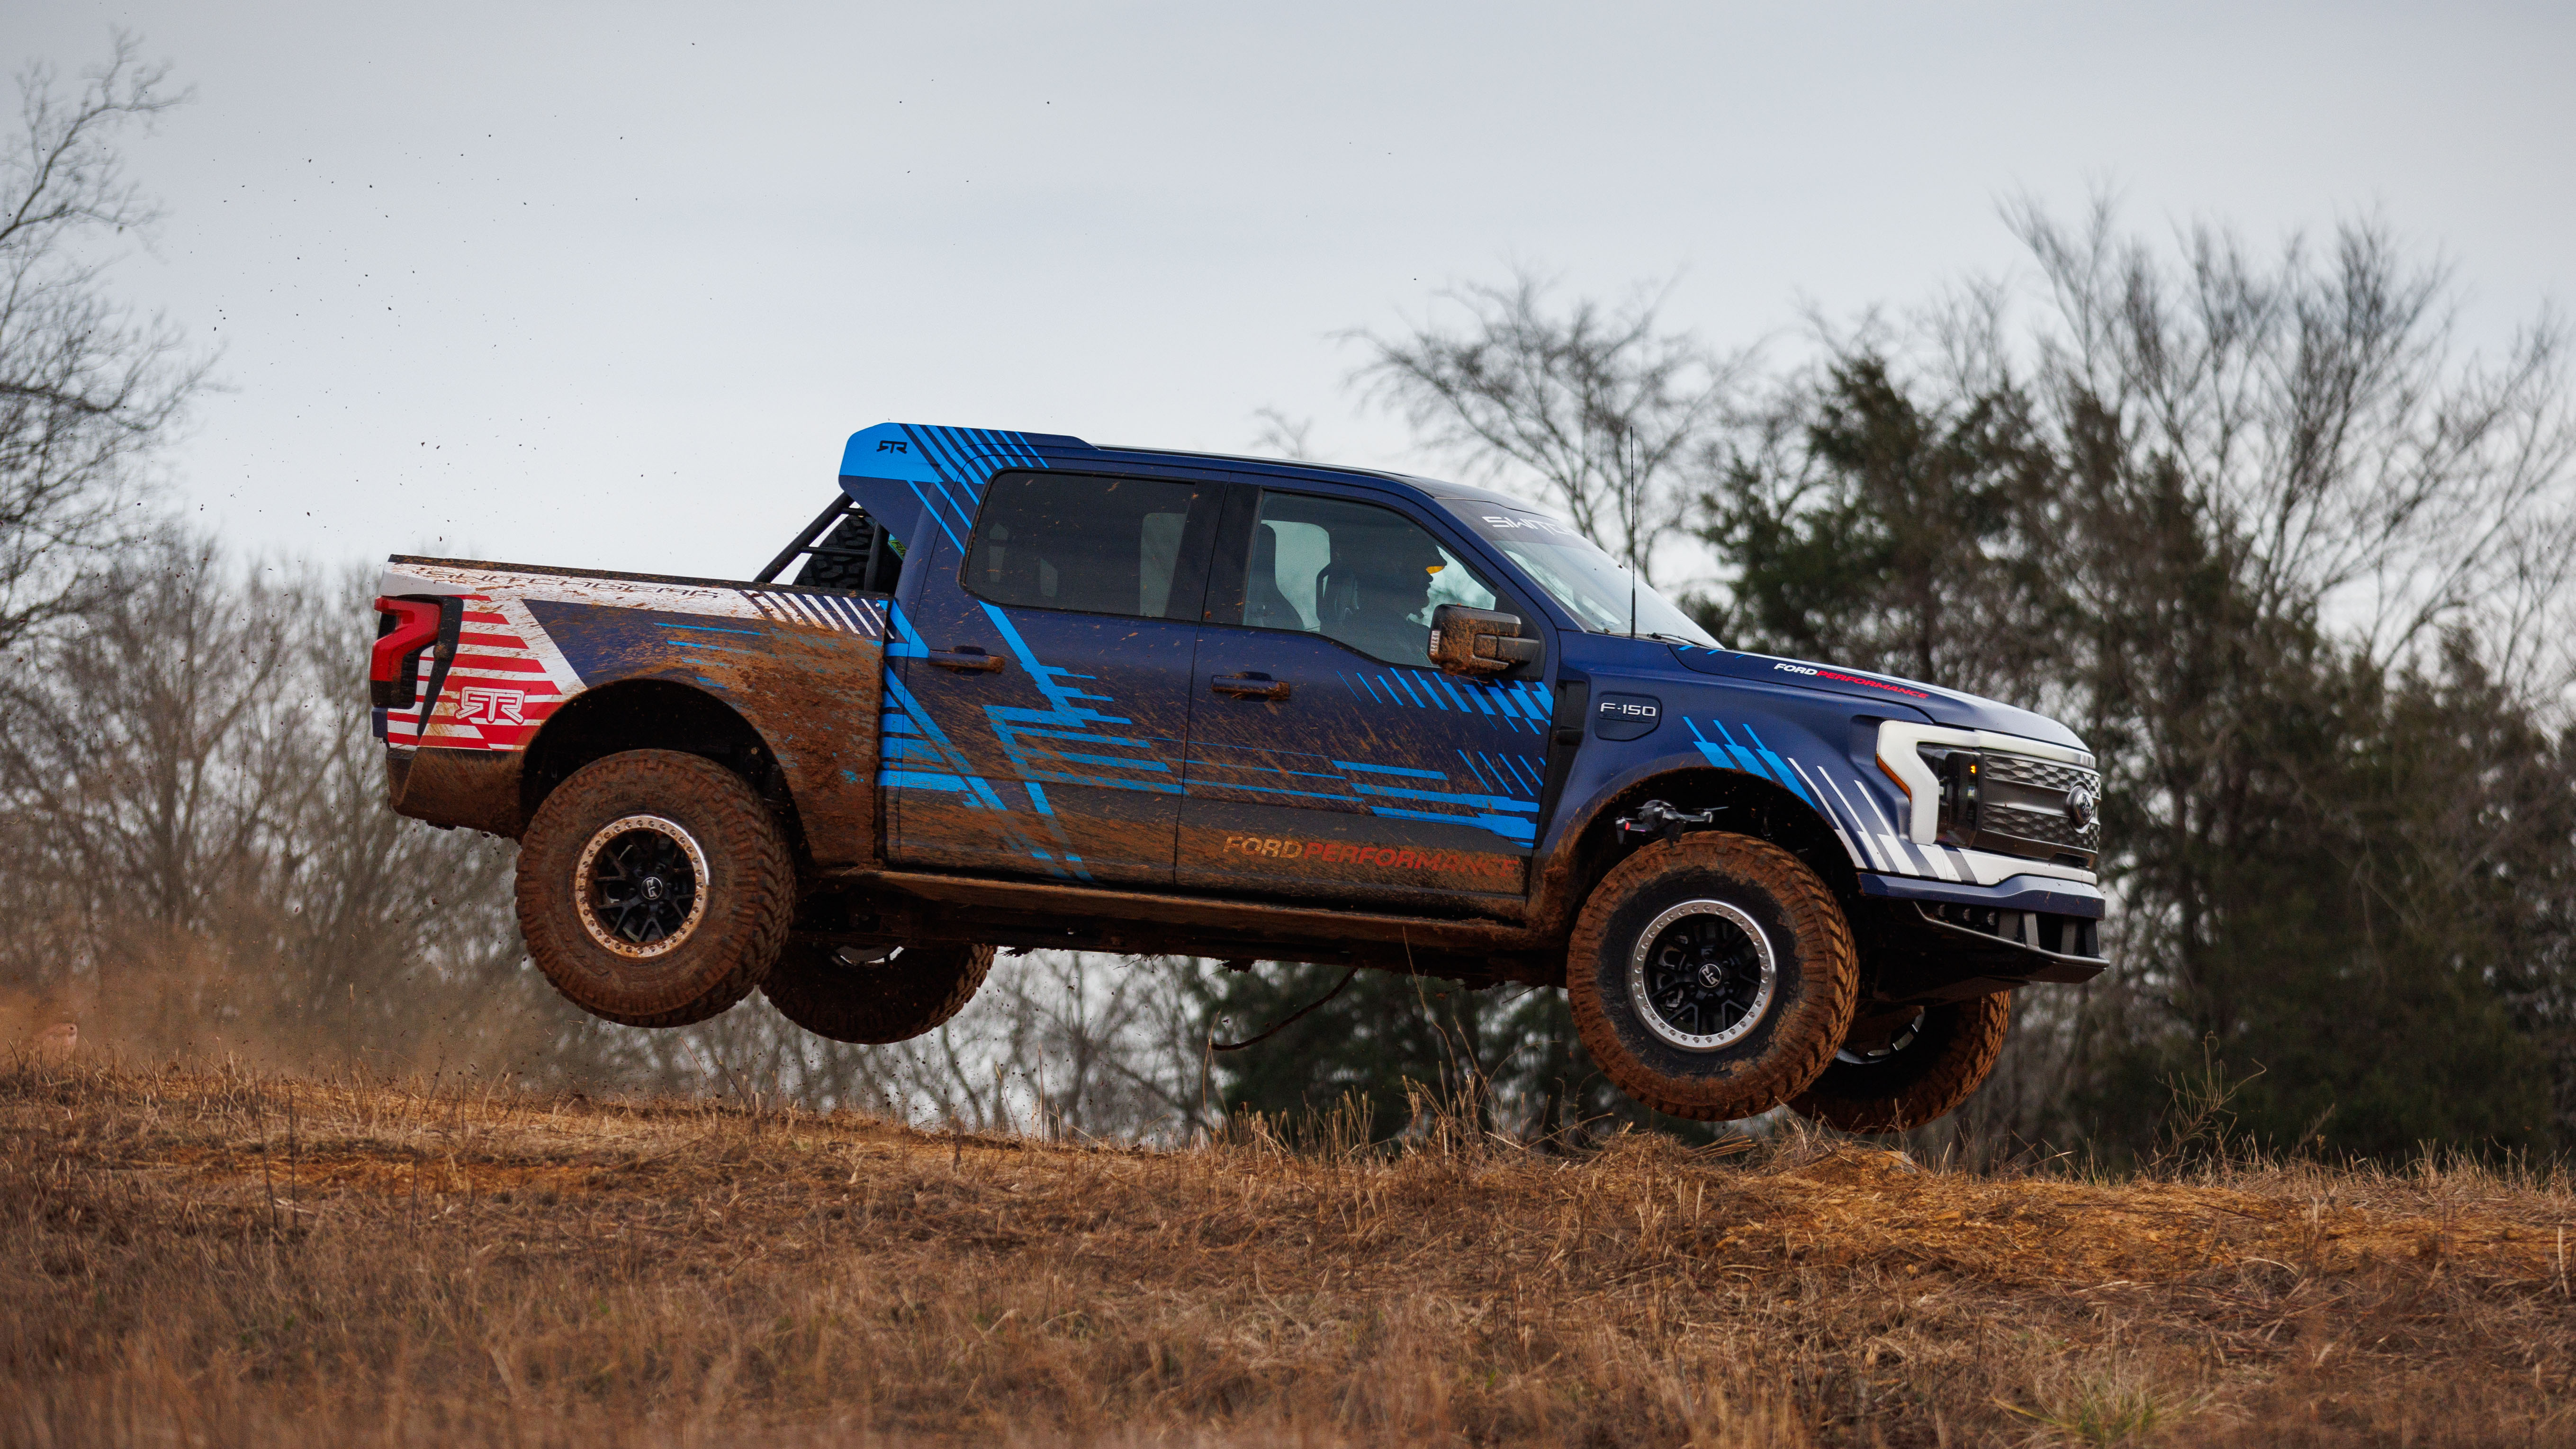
(653, 714)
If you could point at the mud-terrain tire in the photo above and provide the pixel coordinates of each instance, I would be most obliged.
(1923, 1080)
(654, 888)
(896, 999)
(1676, 915)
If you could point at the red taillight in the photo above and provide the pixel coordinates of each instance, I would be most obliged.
(393, 671)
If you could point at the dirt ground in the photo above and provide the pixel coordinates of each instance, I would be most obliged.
(212, 1257)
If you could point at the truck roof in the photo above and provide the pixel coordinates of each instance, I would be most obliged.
(899, 472)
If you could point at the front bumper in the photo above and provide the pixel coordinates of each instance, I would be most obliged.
(1934, 941)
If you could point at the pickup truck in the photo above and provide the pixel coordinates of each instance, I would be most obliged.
(1025, 692)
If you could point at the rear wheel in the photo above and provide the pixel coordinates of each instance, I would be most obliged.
(1711, 977)
(1919, 1073)
(654, 888)
(852, 994)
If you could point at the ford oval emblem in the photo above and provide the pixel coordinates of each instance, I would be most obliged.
(2082, 805)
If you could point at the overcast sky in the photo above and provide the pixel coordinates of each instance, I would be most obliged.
(607, 285)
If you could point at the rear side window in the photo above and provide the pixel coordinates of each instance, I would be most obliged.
(1094, 545)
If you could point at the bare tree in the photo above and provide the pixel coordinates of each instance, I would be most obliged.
(1600, 406)
(2319, 405)
(85, 387)
(201, 858)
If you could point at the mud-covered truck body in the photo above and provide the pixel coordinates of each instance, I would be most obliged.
(1024, 692)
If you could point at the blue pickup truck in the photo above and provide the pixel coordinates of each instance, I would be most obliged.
(1025, 692)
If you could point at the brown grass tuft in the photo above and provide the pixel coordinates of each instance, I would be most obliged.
(216, 1257)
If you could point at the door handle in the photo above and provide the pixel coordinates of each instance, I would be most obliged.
(968, 659)
(1250, 686)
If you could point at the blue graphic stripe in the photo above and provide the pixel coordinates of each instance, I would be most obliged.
(1785, 775)
(1519, 831)
(1067, 720)
(1470, 762)
(930, 502)
(1198, 763)
(1470, 699)
(1199, 786)
(1746, 760)
(1368, 769)
(1113, 761)
(1759, 761)
(894, 779)
(1510, 768)
(1507, 704)
(1121, 741)
(1473, 802)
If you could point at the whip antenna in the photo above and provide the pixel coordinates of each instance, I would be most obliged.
(1631, 440)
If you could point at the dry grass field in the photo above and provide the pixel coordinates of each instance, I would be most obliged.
(217, 1258)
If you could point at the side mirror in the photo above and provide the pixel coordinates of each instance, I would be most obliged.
(1478, 641)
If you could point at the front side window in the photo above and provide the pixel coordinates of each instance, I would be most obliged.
(1090, 544)
(1366, 576)
(1604, 597)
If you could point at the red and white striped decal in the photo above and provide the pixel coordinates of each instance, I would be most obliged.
(506, 679)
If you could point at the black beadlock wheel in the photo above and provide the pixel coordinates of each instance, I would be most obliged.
(1711, 977)
(874, 997)
(654, 888)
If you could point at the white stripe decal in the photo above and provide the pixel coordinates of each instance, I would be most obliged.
(1887, 828)
(1861, 831)
(1830, 817)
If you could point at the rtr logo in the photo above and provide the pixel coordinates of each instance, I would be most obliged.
(894, 445)
(493, 706)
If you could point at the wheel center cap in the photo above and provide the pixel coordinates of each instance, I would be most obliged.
(1708, 974)
(652, 887)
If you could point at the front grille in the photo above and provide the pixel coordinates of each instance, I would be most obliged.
(2017, 804)
(2044, 774)
(2039, 826)
(2025, 810)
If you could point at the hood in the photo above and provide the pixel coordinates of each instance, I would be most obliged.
(1944, 706)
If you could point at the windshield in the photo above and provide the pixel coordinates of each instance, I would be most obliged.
(1577, 574)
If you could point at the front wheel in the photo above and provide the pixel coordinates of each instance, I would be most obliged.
(1921, 1074)
(1712, 977)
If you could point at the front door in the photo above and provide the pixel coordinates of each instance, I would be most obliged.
(1041, 688)
(1328, 759)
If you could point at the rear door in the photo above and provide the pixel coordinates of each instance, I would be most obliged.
(1328, 759)
(1042, 680)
